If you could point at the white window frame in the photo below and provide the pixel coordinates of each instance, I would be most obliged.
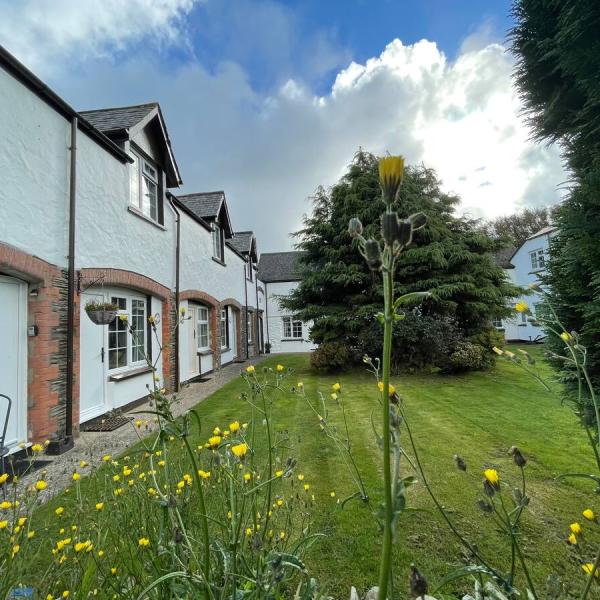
(497, 322)
(538, 259)
(249, 269)
(144, 174)
(224, 328)
(248, 326)
(120, 325)
(217, 239)
(293, 328)
(201, 322)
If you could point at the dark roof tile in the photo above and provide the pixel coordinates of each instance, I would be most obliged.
(115, 119)
(205, 205)
(242, 241)
(279, 266)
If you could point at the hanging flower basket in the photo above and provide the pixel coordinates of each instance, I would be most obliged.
(101, 313)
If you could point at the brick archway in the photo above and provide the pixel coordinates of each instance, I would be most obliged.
(199, 296)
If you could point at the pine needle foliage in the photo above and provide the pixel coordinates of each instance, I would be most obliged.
(449, 257)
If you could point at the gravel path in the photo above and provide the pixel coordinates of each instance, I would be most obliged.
(91, 446)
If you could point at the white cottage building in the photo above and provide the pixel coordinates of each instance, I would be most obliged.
(86, 216)
(285, 332)
(523, 266)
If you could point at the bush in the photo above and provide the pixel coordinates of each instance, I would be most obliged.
(487, 339)
(419, 341)
(466, 357)
(330, 356)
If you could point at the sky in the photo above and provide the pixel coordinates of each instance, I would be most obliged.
(269, 99)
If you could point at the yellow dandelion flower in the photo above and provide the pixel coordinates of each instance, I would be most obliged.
(30, 534)
(572, 539)
(22, 521)
(588, 569)
(336, 387)
(332, 494)
(299, 385)
(3, 478)
(247, 476)
(282, 535)
(214, 441)
(565, 337)
(280, 368)
(144, 542)
(15, 550)
(100, 553)
(37, 448)
(300, 477)
(113, 570)
(250, 369)
(306, 487)
(82, 464)
(3, 524)
(106, 458)
(203, 474)
(391, 172)
(5, 505)
(588, 513)
(278, 473)
(279, 502)
(40, 485)
(76, 476)
(67, 593)
(234, 427)
(248, 531)
(492, 477)
(239, 450)
(391, 388)
(521, 307)
(99, 505)
(59, 511)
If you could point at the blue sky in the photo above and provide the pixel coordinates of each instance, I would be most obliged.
(268, 99)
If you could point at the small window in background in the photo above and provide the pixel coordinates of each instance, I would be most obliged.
(218, 242)
(538, 259)
(292, 328)
(224, 328)
(497, 323)
(143, 187)
(203, 329)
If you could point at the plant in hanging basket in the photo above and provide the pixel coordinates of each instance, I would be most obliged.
(101, 313)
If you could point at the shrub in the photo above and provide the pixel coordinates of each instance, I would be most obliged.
(488, 338)
(330, 356)
(466, 357)
(420, 341)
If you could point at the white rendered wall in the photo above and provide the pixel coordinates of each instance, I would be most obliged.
(108, 234)
(198, 270)
(275, 321)
(34, 173)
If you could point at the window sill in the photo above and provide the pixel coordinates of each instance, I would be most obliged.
(141, 215)
(128, 374)
(219, 261)
(204, 352)
(225, 349)
(293, 340)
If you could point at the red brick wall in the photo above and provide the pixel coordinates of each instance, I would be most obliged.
(46, 352)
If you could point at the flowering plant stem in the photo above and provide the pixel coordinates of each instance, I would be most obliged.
(386, 551)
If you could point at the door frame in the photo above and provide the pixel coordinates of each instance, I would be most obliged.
(20, 403)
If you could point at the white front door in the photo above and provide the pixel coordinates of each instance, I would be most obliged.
(194, 363)
(233, 332)
(93, 356)
(13, 366)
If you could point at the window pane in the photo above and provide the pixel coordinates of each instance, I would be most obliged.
(134, 182)
(297, 329)
(138, 324)
(287, 327)
(217, 253)
(150, 198)
(117, 337)
(150, 171)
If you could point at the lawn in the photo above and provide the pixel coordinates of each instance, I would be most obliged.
(477, 415)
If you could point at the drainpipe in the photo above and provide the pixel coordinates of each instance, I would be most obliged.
(177, 255)
(246, 296)
(267, 309)
(257, 311)
(67, 442)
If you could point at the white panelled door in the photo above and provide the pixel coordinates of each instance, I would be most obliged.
(13, 366)
(194, 363)
(92, 390)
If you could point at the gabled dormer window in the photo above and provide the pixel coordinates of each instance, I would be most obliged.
(217, 234)
(144, 187)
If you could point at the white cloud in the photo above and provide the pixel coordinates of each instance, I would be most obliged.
(269, 151)
(41, 32)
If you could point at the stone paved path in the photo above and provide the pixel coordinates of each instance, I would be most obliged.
(91, 446)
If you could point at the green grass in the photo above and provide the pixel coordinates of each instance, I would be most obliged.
(477, 415)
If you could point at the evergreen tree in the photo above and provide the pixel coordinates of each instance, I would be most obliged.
(516, 228)
(449, 257)
(557, 45)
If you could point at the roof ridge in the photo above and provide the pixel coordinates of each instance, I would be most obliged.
(240, 232)
(200, 194)
(90, 110)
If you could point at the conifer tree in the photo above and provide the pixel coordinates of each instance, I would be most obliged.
(449, 257)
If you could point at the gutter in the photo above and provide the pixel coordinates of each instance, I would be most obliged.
(246, 296)
(177, 256)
